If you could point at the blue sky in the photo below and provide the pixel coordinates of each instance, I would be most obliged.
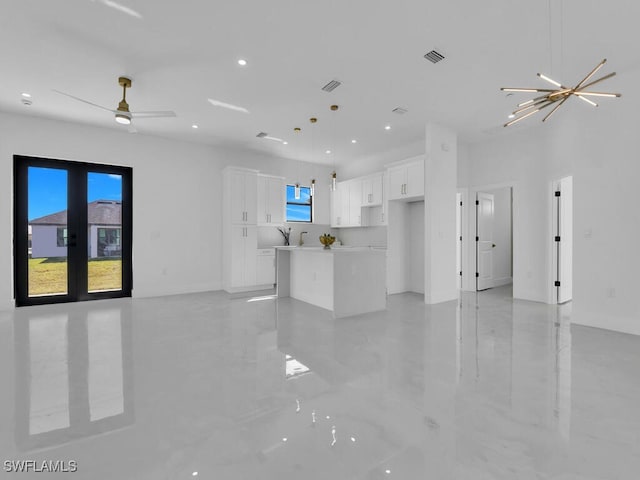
(48, 190)
(299, 213)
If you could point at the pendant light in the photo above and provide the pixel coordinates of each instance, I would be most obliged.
(296, 189)
(333, 108)
(557, 96)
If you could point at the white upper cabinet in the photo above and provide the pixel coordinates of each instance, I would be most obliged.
(271, 200)
(406, 180)
(243, 186)
(415, 179)
(355, 203)
(346, 208)
(336, 205)
(372, 188)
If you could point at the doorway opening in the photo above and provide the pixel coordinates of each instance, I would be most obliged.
(494, 238)
(72, 231)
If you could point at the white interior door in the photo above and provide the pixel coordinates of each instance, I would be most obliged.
(459, 238)
(484, 240)
(564, 239)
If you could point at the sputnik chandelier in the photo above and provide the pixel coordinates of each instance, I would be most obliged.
(557, 96)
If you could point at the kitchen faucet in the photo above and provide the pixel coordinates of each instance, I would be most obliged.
(301, 241)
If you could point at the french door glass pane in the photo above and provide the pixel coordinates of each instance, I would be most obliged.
(48, 235)
(104, 230)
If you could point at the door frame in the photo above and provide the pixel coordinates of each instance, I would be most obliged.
(469, 219)
(554, 267)
(77, 206)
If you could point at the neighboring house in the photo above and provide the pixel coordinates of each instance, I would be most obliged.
(49, 235)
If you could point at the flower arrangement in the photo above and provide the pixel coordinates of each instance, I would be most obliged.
(286, 234)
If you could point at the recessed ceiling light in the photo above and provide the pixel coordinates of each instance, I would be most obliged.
(354, 141)
(328, 152)
(284, 439)
(387, 472)
(194, 126)
(387, 127)
(285, 143)
(194, 474)
(242, 62)
(26, 95)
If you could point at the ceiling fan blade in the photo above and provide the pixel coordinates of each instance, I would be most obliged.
(160, 114)
(85, 101)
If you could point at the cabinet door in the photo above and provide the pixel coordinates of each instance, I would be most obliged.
(236, 197)
(266, 269)
(415, 179)
(397, 181)
(336, 205)
(250, 247)
(263, 200)
(251, 198)
(237, 256)
(376, 190)
(276, 200)
(366, 191)
(343, 221)
(355, 203)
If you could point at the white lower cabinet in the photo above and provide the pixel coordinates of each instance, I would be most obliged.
(243, 256)
(266, 266)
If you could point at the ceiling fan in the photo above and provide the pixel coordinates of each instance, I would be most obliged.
(122, 114)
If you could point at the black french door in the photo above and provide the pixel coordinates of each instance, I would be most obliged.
(72, 231)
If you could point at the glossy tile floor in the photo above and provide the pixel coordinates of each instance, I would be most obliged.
(484, 388)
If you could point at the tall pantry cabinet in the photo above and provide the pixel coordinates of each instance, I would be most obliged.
(239, 228)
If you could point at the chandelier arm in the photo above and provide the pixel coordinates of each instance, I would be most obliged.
(555, 108)
(515, 120)
(531, 105)
(598, 94)
(527, 90)
(587, 100)
(612, 74)
(591, 74)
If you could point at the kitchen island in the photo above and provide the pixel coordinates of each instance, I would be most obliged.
(346, 280)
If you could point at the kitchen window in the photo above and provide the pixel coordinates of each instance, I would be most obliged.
(299, 209)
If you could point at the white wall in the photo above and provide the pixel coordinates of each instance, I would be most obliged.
(45, 242)
(415, 232)
(177, 197)
(600, 148)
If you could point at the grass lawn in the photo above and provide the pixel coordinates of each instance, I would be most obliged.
(49, 275)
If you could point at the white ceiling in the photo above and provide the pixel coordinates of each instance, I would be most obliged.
(180, 53)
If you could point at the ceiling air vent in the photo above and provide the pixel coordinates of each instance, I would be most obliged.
(331, 86)
(434, 57)
(262, 135)
(400, 110)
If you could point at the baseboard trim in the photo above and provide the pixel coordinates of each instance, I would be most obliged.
(499, 282)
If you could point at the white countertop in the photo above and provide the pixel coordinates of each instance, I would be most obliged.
(337, 249)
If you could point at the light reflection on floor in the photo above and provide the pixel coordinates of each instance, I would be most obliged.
(204, 385)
